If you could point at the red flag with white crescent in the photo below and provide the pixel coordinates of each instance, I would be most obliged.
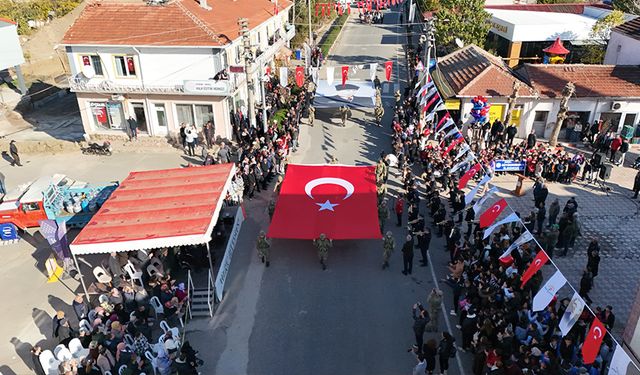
(453, 144)
(592, 343)
(540, 260)
(491, 214)
(299, 76)
(469, 175)
(388, 68)
(345, 74)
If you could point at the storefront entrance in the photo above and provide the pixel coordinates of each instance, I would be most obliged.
(140, 116)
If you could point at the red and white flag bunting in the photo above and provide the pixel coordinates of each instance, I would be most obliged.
(592, 342)
(472, 194)
(523, 239)
(536, 265)
(548, 291)
(491, 214)
(620, 362)
(509, 219)
(571, 314)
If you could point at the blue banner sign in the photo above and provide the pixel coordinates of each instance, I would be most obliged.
(510, 165)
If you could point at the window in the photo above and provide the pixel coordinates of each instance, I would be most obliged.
(161, 115)
(125, 66)
(93, 61)
(107, 115)
(629, 119)
(540, 116)
(32, 206)
(194, 114)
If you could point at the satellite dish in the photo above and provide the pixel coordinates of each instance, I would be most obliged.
(459, 43)
(88, 71)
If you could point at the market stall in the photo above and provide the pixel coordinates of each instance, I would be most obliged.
(157, 209)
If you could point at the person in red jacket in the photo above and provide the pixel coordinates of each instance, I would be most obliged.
(615, 146)
(399, 208)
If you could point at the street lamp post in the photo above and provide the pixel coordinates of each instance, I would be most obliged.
(248, 69)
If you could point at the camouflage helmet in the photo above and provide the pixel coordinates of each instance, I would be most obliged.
(323, 236)
(389, 234)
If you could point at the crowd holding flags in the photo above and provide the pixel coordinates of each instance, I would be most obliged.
(431, 103)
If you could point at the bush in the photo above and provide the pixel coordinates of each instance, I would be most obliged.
(331, 35)
(21, 12)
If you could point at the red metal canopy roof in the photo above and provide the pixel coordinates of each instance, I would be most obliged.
(556, 48)
(152, 209)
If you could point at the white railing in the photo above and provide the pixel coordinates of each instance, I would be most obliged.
(267, 54)
(189, 295)
(291, 32)
(210, 290)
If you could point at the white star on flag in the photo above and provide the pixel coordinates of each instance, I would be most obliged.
(327, 205)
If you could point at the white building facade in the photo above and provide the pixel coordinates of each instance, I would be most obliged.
(160, 85)
(624, 44)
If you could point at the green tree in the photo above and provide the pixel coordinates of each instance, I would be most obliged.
(627, 6)
(463, 19)
(599, 35)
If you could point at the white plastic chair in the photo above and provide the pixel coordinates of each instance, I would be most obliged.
(101, 275)
(128, 340)
(57, 350)
(152, 270)
(157, 306)
(76, 349)
(49, 363)
(64, 355)
(84, 324)
(153, 360)
(121, 369)
(107, 373)
(134, 274)
(165, 328)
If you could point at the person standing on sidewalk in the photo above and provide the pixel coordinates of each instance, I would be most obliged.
(420, 320)
(554, 211)
(399, 209)
(13, 150)
(446, 350)
(586, 283)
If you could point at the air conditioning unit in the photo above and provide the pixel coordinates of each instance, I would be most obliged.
(117, 98)
(616, 106)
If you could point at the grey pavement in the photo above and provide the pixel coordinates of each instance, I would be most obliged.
(294, 318)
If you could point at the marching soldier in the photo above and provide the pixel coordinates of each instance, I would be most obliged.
(388, 245)
(271, 208)
(378, 113)
(344, 113)
(381, 189)
(434, 301)
(381, 171)
(312, 115)
(278, 185)
(334, 160)
(263, 247)
(378, 98)
(398, 96)
(383, 214)
(323, 244)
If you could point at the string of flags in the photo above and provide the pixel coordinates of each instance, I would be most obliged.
(345, 70)
(431, 101)
(326, 9)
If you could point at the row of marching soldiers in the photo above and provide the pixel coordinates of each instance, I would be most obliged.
(263, 245)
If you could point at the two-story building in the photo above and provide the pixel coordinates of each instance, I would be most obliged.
(624, 43)
(164, 63)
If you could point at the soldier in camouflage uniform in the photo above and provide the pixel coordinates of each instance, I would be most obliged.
(381, 190)
(434, 301)
(388, 245)
(378, 112)
(381, 171)
(383, 214)
(271, 208)
(263, 247)
(398, 97)
(323, 244)
(312, 115)
(344, 113)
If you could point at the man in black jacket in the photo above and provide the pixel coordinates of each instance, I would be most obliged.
(407, 255)
(420, 320)
(531, 140)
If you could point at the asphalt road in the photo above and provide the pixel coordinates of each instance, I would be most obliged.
(353, 318)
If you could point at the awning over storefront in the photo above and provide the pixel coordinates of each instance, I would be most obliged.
(162, 208)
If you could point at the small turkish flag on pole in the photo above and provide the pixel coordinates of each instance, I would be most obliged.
(345, 74)
(540, 260)
(592, 343)
(469, 175)
(299, 76)
(492, 213)
(388, 68)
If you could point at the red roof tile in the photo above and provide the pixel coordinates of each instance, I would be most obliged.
(472, 71)
(550, 8)
(590, 80)
(171, 24)
(629, 28)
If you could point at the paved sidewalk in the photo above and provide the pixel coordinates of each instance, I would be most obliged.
(613, 220)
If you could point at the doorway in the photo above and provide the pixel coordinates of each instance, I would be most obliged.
(141, 117)
(540, 123)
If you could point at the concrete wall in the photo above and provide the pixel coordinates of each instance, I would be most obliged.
(622, 50)
(10, 50)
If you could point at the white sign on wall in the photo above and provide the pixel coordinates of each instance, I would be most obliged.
(228, 254)
(220, 87)
(10, 50)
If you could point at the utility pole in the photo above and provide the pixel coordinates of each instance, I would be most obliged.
(264, 101)
(243, 23)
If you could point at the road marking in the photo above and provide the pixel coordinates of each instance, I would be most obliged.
(444, 311)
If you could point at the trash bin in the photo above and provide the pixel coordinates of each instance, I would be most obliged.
(520, 190)
(298, 54)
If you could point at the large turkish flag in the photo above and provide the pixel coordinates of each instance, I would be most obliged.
(339, 201)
